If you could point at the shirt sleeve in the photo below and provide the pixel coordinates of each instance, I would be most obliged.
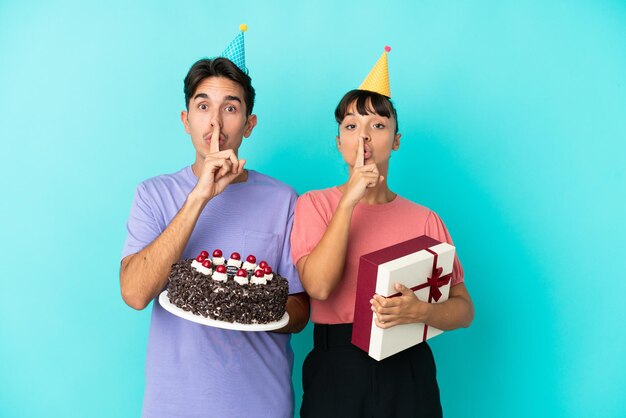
(308, 227)
(436, 229)
(286, 267)
(142, 227)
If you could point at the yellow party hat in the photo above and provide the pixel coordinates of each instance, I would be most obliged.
(378, 78)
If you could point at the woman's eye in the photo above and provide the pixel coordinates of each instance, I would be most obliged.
(379, 126)
(350, 126)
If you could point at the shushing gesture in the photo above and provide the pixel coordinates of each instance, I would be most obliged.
(219, 168)
(363, 177)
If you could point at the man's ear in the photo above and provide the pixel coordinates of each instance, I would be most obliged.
(250, 124)
(396, 142)
(184, 117)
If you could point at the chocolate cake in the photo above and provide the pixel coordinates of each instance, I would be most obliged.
(247, 294)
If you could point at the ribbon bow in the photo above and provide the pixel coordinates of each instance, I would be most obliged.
(436, 281)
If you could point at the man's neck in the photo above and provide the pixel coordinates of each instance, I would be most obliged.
(241, 178)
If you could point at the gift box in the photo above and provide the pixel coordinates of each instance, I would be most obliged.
(422, 264)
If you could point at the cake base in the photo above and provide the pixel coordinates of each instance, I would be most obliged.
(164, 301)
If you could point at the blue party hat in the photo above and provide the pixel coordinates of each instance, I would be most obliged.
(235, 51)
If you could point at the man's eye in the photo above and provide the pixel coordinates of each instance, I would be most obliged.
(230, 108)
(202, 106)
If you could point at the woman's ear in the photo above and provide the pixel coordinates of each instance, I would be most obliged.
(338, 140)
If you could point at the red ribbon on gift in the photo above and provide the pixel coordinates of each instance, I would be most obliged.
(435, 281)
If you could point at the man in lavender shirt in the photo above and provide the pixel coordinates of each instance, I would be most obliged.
(194, 370)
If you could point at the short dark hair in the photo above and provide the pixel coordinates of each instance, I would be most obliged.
(366, 102)
(218, 67)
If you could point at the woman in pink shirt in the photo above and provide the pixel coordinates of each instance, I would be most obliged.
(332, 229)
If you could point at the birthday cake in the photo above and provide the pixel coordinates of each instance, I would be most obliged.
(228, 290)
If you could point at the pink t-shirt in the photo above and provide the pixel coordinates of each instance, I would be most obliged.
(373, 227)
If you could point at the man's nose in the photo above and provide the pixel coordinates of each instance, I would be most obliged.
(215, 119)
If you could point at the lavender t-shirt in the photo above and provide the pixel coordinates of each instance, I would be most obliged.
(197, 371)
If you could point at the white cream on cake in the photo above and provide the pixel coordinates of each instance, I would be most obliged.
(248, 266)
(218, 259)
(250, 263)
(258, 280)
(202, 265)
(204, 270)
(241, 277)
(220, 276)
(234, 263)
(241, 280)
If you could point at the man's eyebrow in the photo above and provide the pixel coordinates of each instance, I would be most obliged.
(226, 98)
(234, 98)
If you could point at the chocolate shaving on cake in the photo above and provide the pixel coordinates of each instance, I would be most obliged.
(227, 301)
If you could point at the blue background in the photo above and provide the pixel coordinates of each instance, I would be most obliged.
(514, 131)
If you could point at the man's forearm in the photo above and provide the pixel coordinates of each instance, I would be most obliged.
(298, 309)
(143, 275)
